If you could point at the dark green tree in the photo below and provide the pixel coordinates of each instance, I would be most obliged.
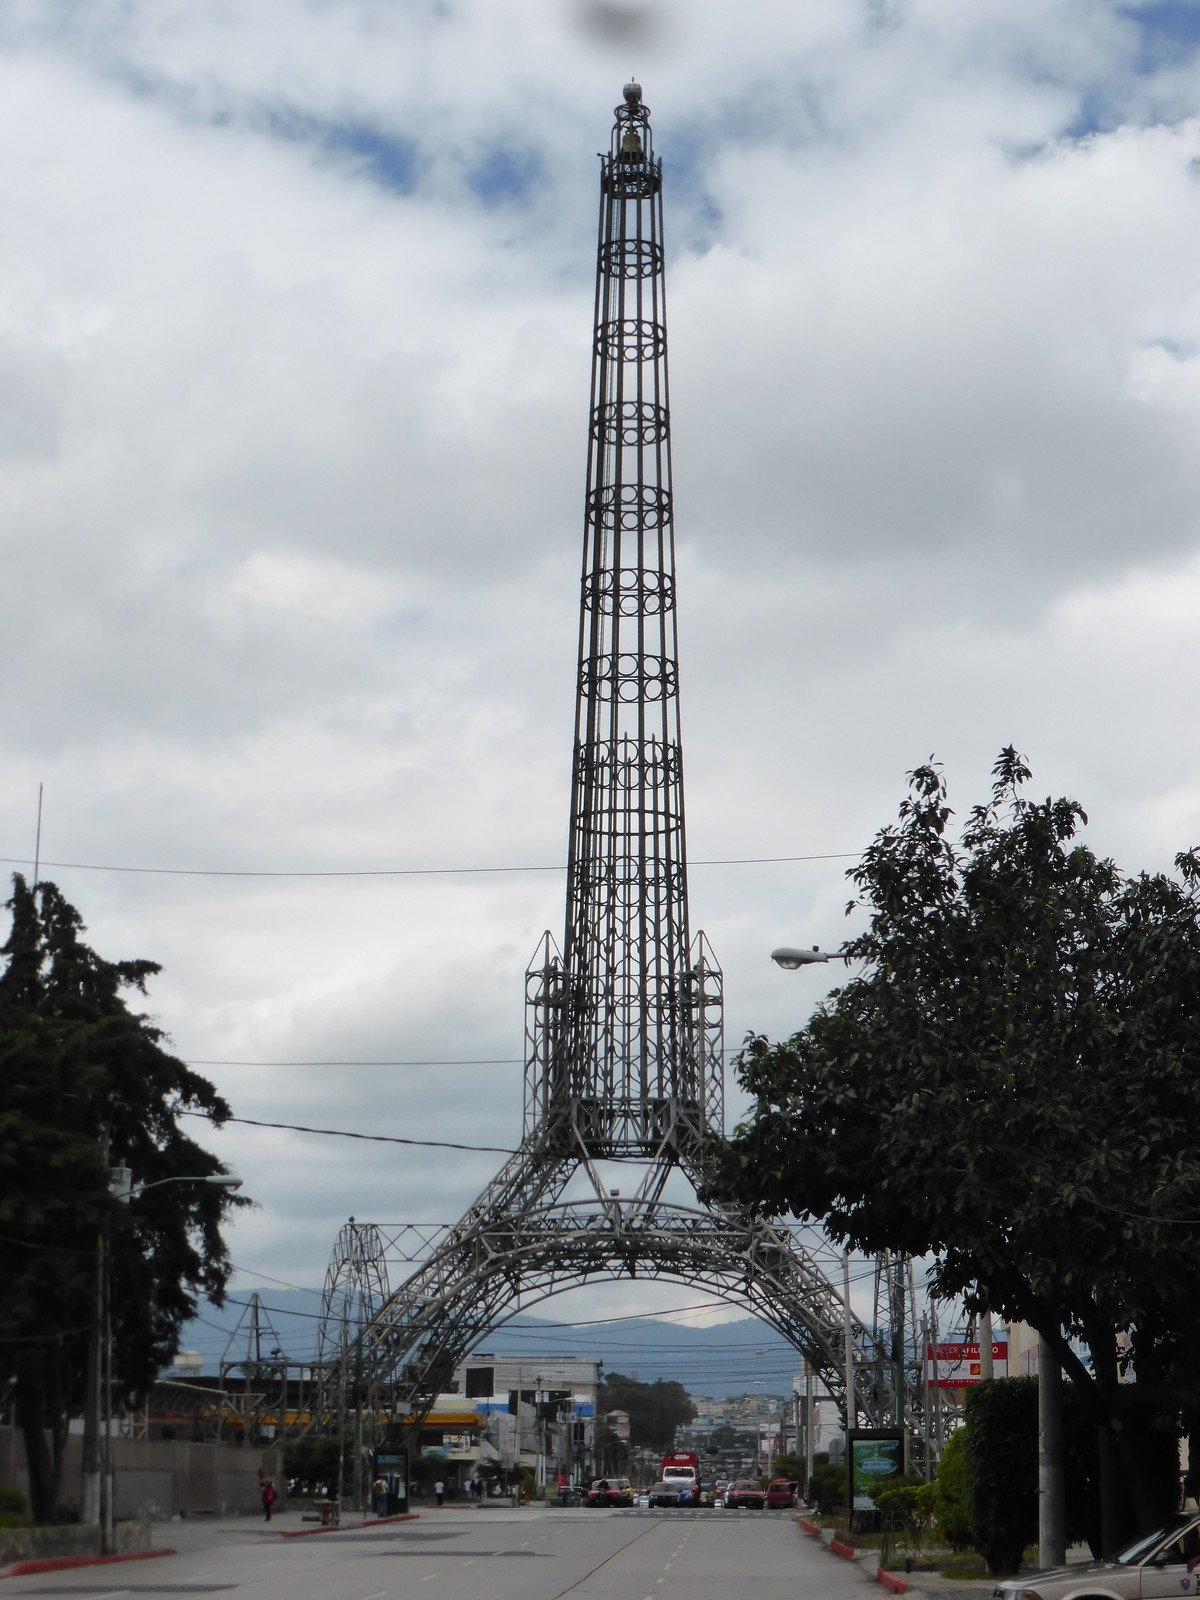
(655, 1409)
(1001, 1435)
(952, 1497)
(788, 1466)
(826, 1489)
(1008, 1085)
(86, 1086)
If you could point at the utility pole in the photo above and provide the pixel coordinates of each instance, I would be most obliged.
(1052, 1544)
(985, 1346)
(90, 1478)
(94, 1446)
(851, 1398)
(808, 1425)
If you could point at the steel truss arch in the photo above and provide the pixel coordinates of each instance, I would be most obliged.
(483, 1271)
(355, 1293)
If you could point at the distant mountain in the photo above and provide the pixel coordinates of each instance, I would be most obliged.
(732, 1358)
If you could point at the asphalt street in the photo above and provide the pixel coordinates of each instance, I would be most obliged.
(473, 1554)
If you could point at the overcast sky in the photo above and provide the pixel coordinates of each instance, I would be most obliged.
(295, 316)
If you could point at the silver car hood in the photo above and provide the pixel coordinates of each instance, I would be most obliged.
(1027, 1580)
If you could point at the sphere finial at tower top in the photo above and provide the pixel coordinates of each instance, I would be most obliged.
(633, 93)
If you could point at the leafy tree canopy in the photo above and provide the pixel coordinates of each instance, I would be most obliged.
(86, 1085)
(655, 1409)
(1009, 1083)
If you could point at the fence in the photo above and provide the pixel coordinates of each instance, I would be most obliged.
(163, 1478)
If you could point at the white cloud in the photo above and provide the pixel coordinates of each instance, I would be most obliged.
(292, 416)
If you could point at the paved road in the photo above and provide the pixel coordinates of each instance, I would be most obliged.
(455, 1554)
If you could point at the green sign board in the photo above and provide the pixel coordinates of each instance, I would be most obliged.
(876, 1457)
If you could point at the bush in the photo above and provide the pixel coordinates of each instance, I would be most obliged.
(827, 1487)
(1001, 1425)
(952, 1494)
(907, 1503)
(14, 1508)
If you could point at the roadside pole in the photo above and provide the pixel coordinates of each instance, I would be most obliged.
(1052, 1545)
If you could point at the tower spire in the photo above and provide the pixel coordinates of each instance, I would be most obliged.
(632, 1050)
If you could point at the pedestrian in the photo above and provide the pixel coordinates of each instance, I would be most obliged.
(268, 1498)
(379, 1495)
(439, 1489)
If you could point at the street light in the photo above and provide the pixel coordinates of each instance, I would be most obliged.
(124, 1189)
(791, 959)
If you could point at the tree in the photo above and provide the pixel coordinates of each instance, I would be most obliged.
(1001, 1434)
(826, 1489)
(1008, 1086)
(952, 1493)
(788, 1466)
(86, 1085)
(655, 1409)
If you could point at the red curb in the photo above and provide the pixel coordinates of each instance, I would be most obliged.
(30, 1569)
(840, 1549)
(349, 1527)
(809, 1527)
(896, 1585)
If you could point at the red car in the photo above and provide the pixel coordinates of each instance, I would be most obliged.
(745, 1494)
(610, 1492)
(781, 1492)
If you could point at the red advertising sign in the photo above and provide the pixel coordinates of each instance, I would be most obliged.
(957, 1366)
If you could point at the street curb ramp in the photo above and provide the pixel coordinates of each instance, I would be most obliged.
(39, 1564)
(847, 1552)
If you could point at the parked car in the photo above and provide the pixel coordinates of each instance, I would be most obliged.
(781, 1492)
(665, 1494)
(1156, 1565)
(610, 1492)
(745, 1494)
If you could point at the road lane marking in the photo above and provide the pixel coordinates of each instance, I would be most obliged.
(471, 1562)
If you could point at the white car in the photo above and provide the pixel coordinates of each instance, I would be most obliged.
(1165, 1562)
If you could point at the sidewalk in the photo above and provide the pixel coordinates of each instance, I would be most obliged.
(917, 1584)
(201, 1531)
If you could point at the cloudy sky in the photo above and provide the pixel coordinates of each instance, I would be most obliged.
(295, 314)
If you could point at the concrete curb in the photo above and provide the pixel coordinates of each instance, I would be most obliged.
(889, 1581)
(30, 1569)
(351, 1527)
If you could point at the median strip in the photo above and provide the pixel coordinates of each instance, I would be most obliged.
(30, 1569)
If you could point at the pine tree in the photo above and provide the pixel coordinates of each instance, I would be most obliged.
(86, 1085)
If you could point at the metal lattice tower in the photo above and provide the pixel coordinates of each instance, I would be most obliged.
(625, 1036)
(624, 1055)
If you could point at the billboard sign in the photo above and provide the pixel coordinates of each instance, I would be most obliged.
(957, 1366)
(875, 1458)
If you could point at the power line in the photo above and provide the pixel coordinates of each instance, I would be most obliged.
(478, 1061)
(57, 1249)
(345, 1133)
(396, 872)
